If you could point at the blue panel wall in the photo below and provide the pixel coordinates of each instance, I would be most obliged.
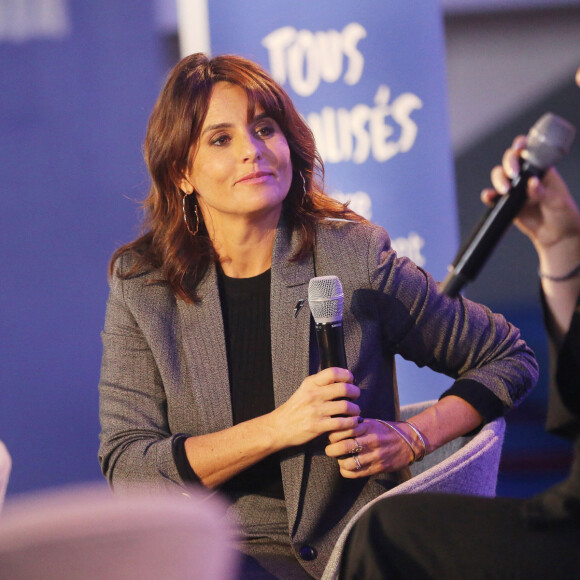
(73, 111)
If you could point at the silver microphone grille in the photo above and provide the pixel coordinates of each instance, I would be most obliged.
(549, 140)
(326, 299)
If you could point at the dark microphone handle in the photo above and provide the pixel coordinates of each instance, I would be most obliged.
(477, 249)
(330, 339)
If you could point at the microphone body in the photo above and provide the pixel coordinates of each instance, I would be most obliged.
(549, 140)
(326, 301)
(330, 339)
(486, 235)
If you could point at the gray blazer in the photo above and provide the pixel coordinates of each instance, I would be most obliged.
(164, 369)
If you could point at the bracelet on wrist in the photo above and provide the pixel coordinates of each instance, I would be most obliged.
(402, 436)
(421, 439)
(563, 278)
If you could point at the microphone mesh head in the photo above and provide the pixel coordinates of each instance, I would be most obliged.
(325, 299)
(549, 140)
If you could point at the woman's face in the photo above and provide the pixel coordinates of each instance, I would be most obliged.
(240, 167)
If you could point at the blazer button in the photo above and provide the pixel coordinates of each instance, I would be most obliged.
(308, 553)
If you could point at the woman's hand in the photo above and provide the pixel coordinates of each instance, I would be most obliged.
(381, 448)
(373, 446)
(318, 406)
(322, 403)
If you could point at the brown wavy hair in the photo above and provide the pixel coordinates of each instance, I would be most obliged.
(173, 131)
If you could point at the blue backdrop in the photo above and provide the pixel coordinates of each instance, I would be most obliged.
(73, 109)
(369, 77)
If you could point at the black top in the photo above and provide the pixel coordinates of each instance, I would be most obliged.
(245, 306)
(561, 503)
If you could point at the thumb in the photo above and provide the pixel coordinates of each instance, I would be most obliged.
(536, 190)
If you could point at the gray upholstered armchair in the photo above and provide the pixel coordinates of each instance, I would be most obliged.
(85, 532)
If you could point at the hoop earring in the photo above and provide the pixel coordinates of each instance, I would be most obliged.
(303, 187)
(192, 232)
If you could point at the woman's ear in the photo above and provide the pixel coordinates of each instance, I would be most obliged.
(180, 178)
(185, 186)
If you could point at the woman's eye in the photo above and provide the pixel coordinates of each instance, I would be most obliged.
(221, 140)
(265, 131)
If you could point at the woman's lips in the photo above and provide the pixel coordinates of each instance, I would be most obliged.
(256, 177)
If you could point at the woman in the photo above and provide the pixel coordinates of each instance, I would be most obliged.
(209, 369)
(430, 536)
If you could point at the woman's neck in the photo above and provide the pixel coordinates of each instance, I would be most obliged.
(245, 252)
(244, 243)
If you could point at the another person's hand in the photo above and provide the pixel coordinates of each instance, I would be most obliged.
(550, 218)
(323, 403)
(550, 215)
(370, 448)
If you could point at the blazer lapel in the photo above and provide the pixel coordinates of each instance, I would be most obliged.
(290, 329)
(203, 340)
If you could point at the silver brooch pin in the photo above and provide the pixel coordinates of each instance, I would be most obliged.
(298, 306)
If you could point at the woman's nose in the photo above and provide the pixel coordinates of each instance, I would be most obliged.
(252, 148)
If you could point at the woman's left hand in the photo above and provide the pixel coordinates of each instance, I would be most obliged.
(370, 448)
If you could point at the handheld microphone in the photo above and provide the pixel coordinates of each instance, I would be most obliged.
(549, 140)
(326, 302)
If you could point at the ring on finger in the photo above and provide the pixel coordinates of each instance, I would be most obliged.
(356, 460)
(357, 447)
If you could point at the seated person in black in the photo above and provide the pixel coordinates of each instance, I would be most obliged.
(447, 536)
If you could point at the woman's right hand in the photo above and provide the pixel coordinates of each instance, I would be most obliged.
(323, 403)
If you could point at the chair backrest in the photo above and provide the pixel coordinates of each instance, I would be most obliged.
(5, 467)
(87, 533)
(467, 465)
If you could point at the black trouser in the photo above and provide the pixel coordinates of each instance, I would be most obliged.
(448, 537)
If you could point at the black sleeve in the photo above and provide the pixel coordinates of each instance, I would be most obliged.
(563, 416)
(488, 405)
(180, 457)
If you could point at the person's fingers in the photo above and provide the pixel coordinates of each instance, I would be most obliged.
(489, 196)
(501, 175)
(346, 447)
(535, 189)
(342, 407)
(333, 375)
(519, 143)
(511, 162)
(358, 430)
(500, 180)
